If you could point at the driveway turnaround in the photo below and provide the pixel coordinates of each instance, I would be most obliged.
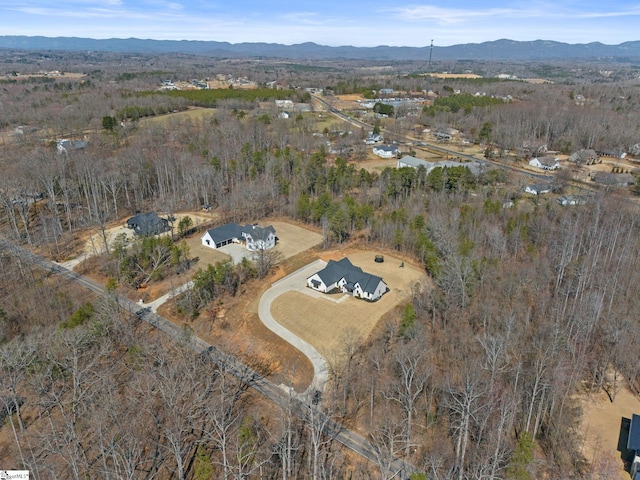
(295, 281)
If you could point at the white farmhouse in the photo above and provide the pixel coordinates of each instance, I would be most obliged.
(545, 163)
(386, 151)
(253, 236)
(346, 277)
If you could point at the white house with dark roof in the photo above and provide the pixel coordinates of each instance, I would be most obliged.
(346, 277)
(253, 236)
(386, 151)
(545, 163)
(538, 188)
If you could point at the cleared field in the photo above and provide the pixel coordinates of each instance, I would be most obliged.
(195, 113)
(292, 240)
(453, 75)
(328, 325)
(95, 243)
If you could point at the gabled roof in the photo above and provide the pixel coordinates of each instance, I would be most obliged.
(415, 162)
(335, 271)
(148, 224)
(609, 178)
(225, 232)
(546, 161)
(540, 187)
(584, 155)
(386, 148)
(258, 233)
(233, 230)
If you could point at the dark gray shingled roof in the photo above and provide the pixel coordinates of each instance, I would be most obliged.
(334, 271)
(148, 224)
(233, 230)
(633, 443)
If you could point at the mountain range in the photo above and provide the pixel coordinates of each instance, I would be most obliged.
(495, 50)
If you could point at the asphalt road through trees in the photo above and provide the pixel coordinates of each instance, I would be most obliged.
(243, 372)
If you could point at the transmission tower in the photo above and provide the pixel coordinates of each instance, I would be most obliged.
(429, 67)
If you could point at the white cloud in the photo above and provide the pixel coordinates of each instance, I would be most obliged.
(307, 18)
(446, 15)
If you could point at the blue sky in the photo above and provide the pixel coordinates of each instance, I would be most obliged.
(326, 22)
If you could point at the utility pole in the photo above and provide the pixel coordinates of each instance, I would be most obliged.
(428, 72)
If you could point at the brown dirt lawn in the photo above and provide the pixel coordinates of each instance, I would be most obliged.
(327, 325)
(600, 429)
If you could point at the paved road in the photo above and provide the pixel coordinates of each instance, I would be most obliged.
(431, 147)
(295, 281)
(167, 296)
(244, 373)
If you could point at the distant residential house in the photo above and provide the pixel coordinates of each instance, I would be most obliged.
(65, 146)
(284, 104)
(413, 162)
(545, 163)
(147, 224)
(613, 179)
(408, 161)
(443, 136)
(569, 200)
(345, 277)
(386, 151)
(372, 139)
(474, 167)
(538, 189)
(585, 157)
(613, 153)
(253, 236)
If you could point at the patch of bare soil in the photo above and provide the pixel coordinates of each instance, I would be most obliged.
(232, 324)
(601, 429)
(330, 322)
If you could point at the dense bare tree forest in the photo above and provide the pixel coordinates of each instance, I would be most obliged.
(474, 378)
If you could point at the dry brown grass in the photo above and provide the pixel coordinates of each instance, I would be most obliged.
(601, 422)
(292, 240)
(195, 113)
(454, 75)
(327, 325)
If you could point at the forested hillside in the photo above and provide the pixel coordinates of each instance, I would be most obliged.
(529, 305)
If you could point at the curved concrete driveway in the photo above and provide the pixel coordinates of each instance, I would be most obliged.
(295, 281)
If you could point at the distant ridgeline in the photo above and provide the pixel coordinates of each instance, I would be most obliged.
(495, 50)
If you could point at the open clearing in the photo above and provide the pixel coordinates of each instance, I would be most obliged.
(453, 75)
(95, 243)
(292, 240)
(193, 113)
(600, 429)
(328, 325)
